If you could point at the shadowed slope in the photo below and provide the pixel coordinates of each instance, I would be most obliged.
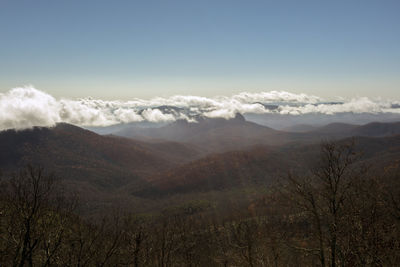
(79, 154)
(259, 166)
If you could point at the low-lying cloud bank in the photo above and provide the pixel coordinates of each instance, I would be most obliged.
(26, 107)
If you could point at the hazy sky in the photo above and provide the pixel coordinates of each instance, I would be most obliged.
(125, 49)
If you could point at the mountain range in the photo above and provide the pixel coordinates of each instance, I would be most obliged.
(181, 158)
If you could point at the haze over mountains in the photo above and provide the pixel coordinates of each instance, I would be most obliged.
(141, 152)
(212, 154)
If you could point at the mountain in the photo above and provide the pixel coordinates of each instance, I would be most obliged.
(103, 130)
(335, 129)
(114, 161)
(81, 155)
(216, 135)
(373, 129)
(260, 166)
(377, 129)
(213, 134)
(299, 128)
(280, 121)
(212, 158)
(180, 130)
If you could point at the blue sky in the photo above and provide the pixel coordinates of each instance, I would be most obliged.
(127, 49)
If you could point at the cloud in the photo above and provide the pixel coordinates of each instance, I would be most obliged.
(356, 105)
(276, 96)
(26, 107)
(155, 115)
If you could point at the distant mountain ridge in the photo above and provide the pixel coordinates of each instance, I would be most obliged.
(373, 129)
(179, 129)
(213, 134)
(219, 135)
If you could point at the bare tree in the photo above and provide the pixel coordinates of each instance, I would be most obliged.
(322, 195)
(34, 213)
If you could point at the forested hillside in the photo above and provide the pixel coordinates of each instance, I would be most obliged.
(70, 197)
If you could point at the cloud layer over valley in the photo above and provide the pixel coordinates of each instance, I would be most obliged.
(25, 107)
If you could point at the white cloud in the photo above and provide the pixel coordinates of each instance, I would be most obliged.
(220, 113)
(275, 96)
(26, 107)
(127, 115)
(356, 105)
(155, 115)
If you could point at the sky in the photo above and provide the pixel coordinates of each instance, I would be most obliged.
(146, 49)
